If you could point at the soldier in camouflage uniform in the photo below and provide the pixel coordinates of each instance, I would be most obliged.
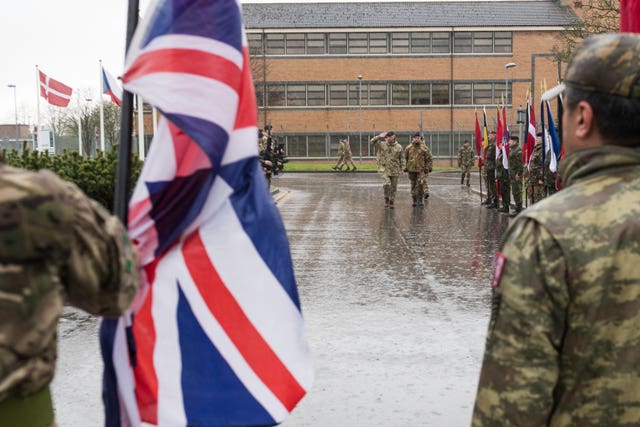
(564, 337)
(390, 165)
(535, 179)
(56, 246)
(549, 177)
(344, 156)
(424, 180)
(502, 177)
(490, 172)
(418, 160)
(466, 156)
(515, 172)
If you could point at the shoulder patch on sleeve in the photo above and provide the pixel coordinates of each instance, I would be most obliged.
(498, 266)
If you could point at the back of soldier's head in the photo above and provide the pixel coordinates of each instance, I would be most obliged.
(604, 71)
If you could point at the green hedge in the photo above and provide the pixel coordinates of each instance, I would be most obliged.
(95, 175)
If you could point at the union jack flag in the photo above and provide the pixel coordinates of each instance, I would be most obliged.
(215, 337)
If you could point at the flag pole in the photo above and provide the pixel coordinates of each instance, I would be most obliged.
(37, 109)
(126, 128)
(101, 108)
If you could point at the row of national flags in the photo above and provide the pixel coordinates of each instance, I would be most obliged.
(551, 145)
(59, 94)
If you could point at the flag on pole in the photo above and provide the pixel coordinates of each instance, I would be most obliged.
(505, 139)
(216, 335)
(55, 92)
(478, 140)
(552, 141)
(531, 133)
(630, 16)
(499, 131)
(485, 134)
(111, 87)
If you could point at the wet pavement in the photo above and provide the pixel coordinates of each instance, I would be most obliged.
(395, 301)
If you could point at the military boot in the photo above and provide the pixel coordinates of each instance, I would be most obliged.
(420, 201)
(468, 185)
(390, 203)
(348, 168)
(386, 202)
(415, 201)
(462, 180)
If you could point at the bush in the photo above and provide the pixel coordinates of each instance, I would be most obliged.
(95, 176)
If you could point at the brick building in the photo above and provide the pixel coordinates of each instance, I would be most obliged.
(327, 70)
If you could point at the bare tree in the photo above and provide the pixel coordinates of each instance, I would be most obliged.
(111, 124)
(594, 17)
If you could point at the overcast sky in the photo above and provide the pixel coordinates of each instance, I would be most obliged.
(66, 39)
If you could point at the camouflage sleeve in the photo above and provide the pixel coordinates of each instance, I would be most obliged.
(100, 274)
(429, 160)
(521, 362)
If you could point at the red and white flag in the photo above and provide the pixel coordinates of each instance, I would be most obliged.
(56, 93)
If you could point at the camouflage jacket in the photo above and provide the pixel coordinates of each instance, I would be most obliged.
(465, 157)
(491, 156)
(418, 158)
(562, 345)
(390, 158)
(535, 169)
(515, 162)
(56, 245)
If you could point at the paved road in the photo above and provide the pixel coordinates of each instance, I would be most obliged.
(396, 304)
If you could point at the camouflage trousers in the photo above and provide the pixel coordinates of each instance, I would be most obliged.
(537, 193)
(466, 173)
(390, 186)
(516, 193)
(418, 180)
(345, 160)
(505, 190)
(490, 181)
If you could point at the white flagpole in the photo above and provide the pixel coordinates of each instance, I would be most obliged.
(155, 120)
(79, 127)
(140, 128)
(37, 144)
(101, 98)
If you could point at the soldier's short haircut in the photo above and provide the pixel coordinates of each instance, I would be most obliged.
(515, 138)
(616, 117)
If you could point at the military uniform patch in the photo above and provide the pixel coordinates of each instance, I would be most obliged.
(498, 266)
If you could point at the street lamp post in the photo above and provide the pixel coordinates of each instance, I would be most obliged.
(15, 109)
(360, 112)
(506, 82)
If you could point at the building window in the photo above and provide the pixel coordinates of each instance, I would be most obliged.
(482, 93)
(483, 42)
(295, 95)
(378, 43)
(499, 92)
(462, 93)
(317, 145)
(503, 42)
(259, 95)
(420, 42)
(275, 95)
(337, 43)
(441, 42)
(295, 44)
(420, 94)
(255, 44)
(440, 94)
(378, 94)
(296, 146)
(358, 43)
(275, 44)
(316, 44)
(400, 94)
(316, 95)
(354, 92)
(400, 42)
(462, 42)
(338, 94)
(440, 144)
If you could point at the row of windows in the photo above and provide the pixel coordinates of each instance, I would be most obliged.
(441, 144)
(379, 43)
(380, 93)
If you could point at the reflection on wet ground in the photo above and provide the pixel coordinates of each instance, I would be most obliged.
(396, 304)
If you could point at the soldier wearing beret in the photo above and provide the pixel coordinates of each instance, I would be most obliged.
(563, 346)
(57, 246)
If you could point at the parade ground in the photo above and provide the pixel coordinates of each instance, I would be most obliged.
(396, 304)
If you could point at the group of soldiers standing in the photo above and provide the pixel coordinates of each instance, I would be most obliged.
(393, 160)
(504, 180)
